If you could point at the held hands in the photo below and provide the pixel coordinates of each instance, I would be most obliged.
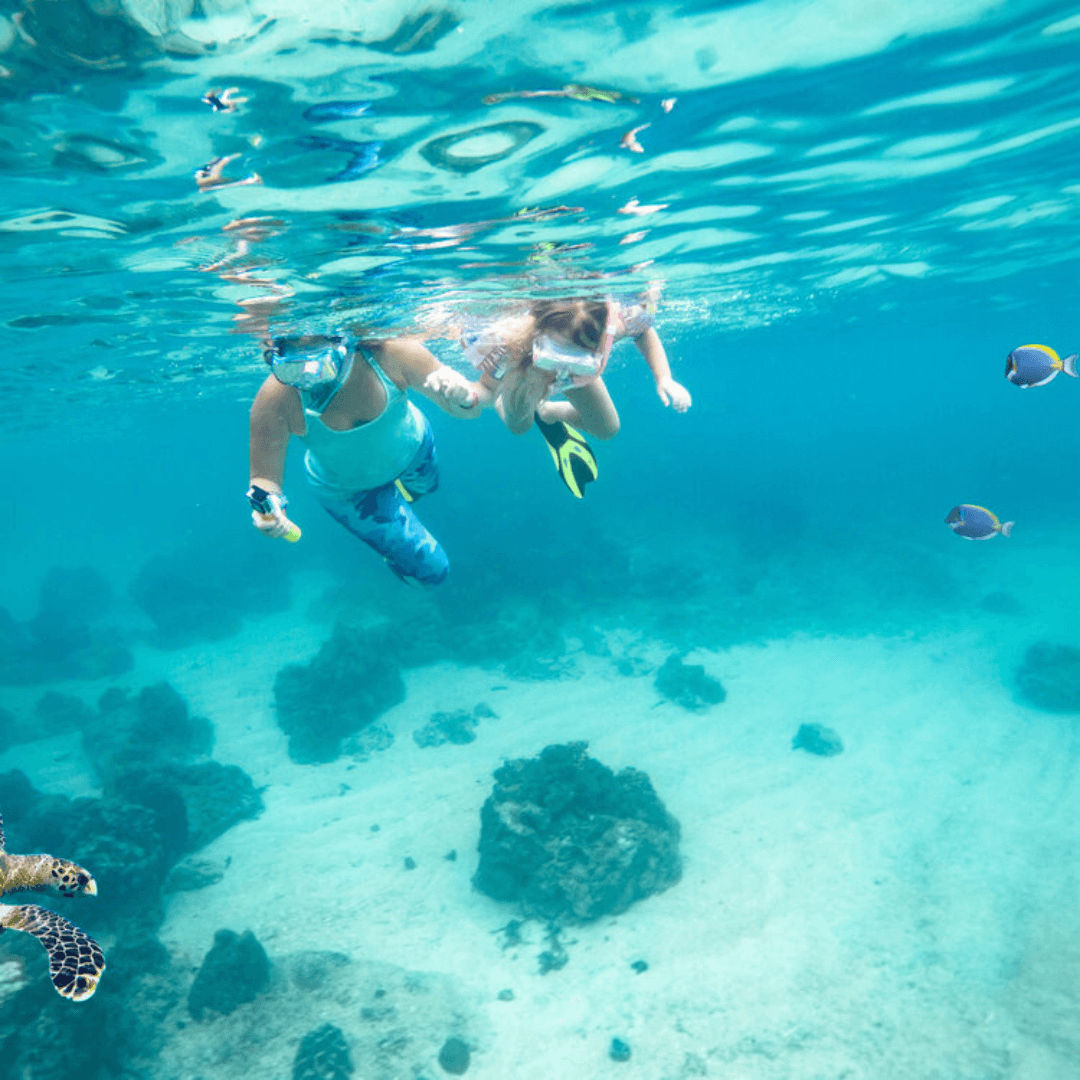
(674, 394)
(452, 387)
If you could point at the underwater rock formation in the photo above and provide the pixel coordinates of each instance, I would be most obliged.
(817, 739)
(454, 1056)
(205, 593)
(81, 593)
(52, 647)
(688, 685)
(63, 640)
(323, 1055)
(162, 799)
(57, 714)
(1049, 677)
(389, 1021)
(233, 973)
(566, 838)
(350, 683)
(153, 726)
(208, 797)
(457, 727)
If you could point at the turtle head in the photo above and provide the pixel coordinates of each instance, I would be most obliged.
(69, 879)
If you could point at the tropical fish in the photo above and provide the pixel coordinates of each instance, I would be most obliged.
(1036, 365)
(336, 110)
(976, 522)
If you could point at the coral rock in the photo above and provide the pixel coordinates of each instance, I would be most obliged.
(232, 974)
(1049, 677)
(688, 685)
(566, 838)
(349, 684)
(454, 1056)
(323, 1055)
(817, 739)
(456, 727)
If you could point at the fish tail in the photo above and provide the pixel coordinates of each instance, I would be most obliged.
(1068, 365)
(1005, 528)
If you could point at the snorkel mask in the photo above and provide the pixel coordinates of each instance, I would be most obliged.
(564, 357)
(304, 366)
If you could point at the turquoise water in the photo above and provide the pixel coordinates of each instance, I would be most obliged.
(854, 212)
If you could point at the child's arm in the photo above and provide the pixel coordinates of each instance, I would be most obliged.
(671, 392)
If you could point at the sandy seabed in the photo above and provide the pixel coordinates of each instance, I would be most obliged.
(905, 910)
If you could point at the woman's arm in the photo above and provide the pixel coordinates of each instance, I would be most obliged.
(275, 415)
(414, 366)
(671, 392)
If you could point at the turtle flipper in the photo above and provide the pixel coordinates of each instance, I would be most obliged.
(75, 959)
(1, 834)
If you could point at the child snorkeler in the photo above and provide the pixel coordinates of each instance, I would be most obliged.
(562, 347)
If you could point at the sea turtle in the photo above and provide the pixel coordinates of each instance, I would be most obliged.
(75, 959)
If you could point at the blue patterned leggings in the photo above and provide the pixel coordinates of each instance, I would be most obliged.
(385, 521)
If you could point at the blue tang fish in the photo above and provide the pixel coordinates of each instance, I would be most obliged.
(335, 110)
(976, 522)
(1036, 365)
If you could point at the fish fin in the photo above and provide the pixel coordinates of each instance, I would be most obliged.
(1052, 353)
(1068, 365)
(1006, 527)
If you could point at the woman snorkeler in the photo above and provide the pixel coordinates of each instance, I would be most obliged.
(370, 450)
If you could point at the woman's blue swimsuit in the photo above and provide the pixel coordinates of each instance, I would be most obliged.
(359, 476)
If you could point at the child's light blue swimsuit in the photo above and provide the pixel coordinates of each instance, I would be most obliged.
(353, 474)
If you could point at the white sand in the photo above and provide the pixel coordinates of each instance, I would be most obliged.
(907, 909)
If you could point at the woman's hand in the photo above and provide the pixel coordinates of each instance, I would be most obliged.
(276, 526)
(673, 393)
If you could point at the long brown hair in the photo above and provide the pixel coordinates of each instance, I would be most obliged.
(579, 320)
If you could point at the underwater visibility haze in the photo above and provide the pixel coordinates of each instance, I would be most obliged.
(759, 760)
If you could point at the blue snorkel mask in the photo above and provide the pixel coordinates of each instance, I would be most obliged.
(306, 367)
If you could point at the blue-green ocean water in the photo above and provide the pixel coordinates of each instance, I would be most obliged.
(854, 210)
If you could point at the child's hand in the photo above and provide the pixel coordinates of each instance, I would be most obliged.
(452, 387)
(674, 393)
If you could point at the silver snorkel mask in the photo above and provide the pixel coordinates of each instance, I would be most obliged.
(305, 367)
(553, 354)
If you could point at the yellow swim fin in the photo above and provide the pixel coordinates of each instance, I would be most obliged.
(572, 455)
